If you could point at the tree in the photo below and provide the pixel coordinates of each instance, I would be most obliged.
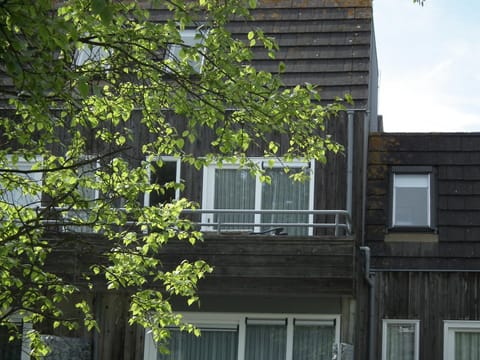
(78, 78)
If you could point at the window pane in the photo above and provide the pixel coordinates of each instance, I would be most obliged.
(467, 345)
(411, 200)
(400, 342)
(17, 188)
(162, 175)
(9, 350)
(211, 345)
(313, 342)
(285, 194)
(234, 189)
(265, 342)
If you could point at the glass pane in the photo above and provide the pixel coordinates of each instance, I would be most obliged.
(400, 342)
(19, 191)
(285, 194)
(162, 175)
(411, 207)
(313, 342)
(210, 345)
(265, 342)
(467, 345)
(9, 350)
(234, 189)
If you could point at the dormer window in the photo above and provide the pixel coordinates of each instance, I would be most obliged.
(190, 39)
(412, 198)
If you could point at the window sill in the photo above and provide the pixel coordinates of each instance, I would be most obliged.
(412, 236)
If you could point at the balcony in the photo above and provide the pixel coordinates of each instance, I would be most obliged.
(225, 221)
(252, 257)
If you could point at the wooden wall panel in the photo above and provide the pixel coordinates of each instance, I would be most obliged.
(455, 158)
(430, 297)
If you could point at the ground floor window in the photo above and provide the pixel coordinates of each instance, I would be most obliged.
(253, 337)
(400, 339)
(461, 340)
(18, 349)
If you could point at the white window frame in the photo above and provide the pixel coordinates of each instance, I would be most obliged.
(239, 321)
(396, 179)
(83, 214)
(173, 50)
(91, 54)
(449, 329)
(208, 189)
(24, 165)
(176, 160)
(387, 322)
(26, 327)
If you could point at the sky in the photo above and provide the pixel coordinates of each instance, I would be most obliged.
(429, 62)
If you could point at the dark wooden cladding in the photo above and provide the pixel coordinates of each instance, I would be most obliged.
(244, 264)
(327, 43)
(430, 297)
(455, 159)
(275, 265)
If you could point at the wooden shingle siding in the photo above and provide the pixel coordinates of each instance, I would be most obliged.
(429, 297)
(455, 158)
(272, 265)
(326, 43)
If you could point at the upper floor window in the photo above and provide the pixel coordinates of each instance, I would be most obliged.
(231, 187)
(167, 176)
(19, 187)
(412, 200)
(253, 337)
(190, 38)
(400, 339)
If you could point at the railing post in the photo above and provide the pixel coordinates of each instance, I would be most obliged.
(337, 219)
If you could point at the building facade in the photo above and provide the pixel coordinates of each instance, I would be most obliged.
(422, 229)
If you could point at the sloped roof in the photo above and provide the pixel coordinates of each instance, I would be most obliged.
(324, 42)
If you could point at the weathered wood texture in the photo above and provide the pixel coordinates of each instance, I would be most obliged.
(455, 157)
(326, 43)
(430, 297)
(272, 265)
(244, 264)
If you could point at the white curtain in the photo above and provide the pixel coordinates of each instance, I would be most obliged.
(265, 342)
(313, 342)
(285, 194)
(400, 342)
(467, 345)
(234, 189)
(211, 345)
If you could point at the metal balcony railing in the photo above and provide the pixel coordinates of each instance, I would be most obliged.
(252, 221)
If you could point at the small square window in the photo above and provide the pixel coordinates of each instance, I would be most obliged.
(412, 198)
(400, 339)
(91, 54)
(190, 39)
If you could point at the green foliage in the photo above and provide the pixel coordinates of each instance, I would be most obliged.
(84, 79)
